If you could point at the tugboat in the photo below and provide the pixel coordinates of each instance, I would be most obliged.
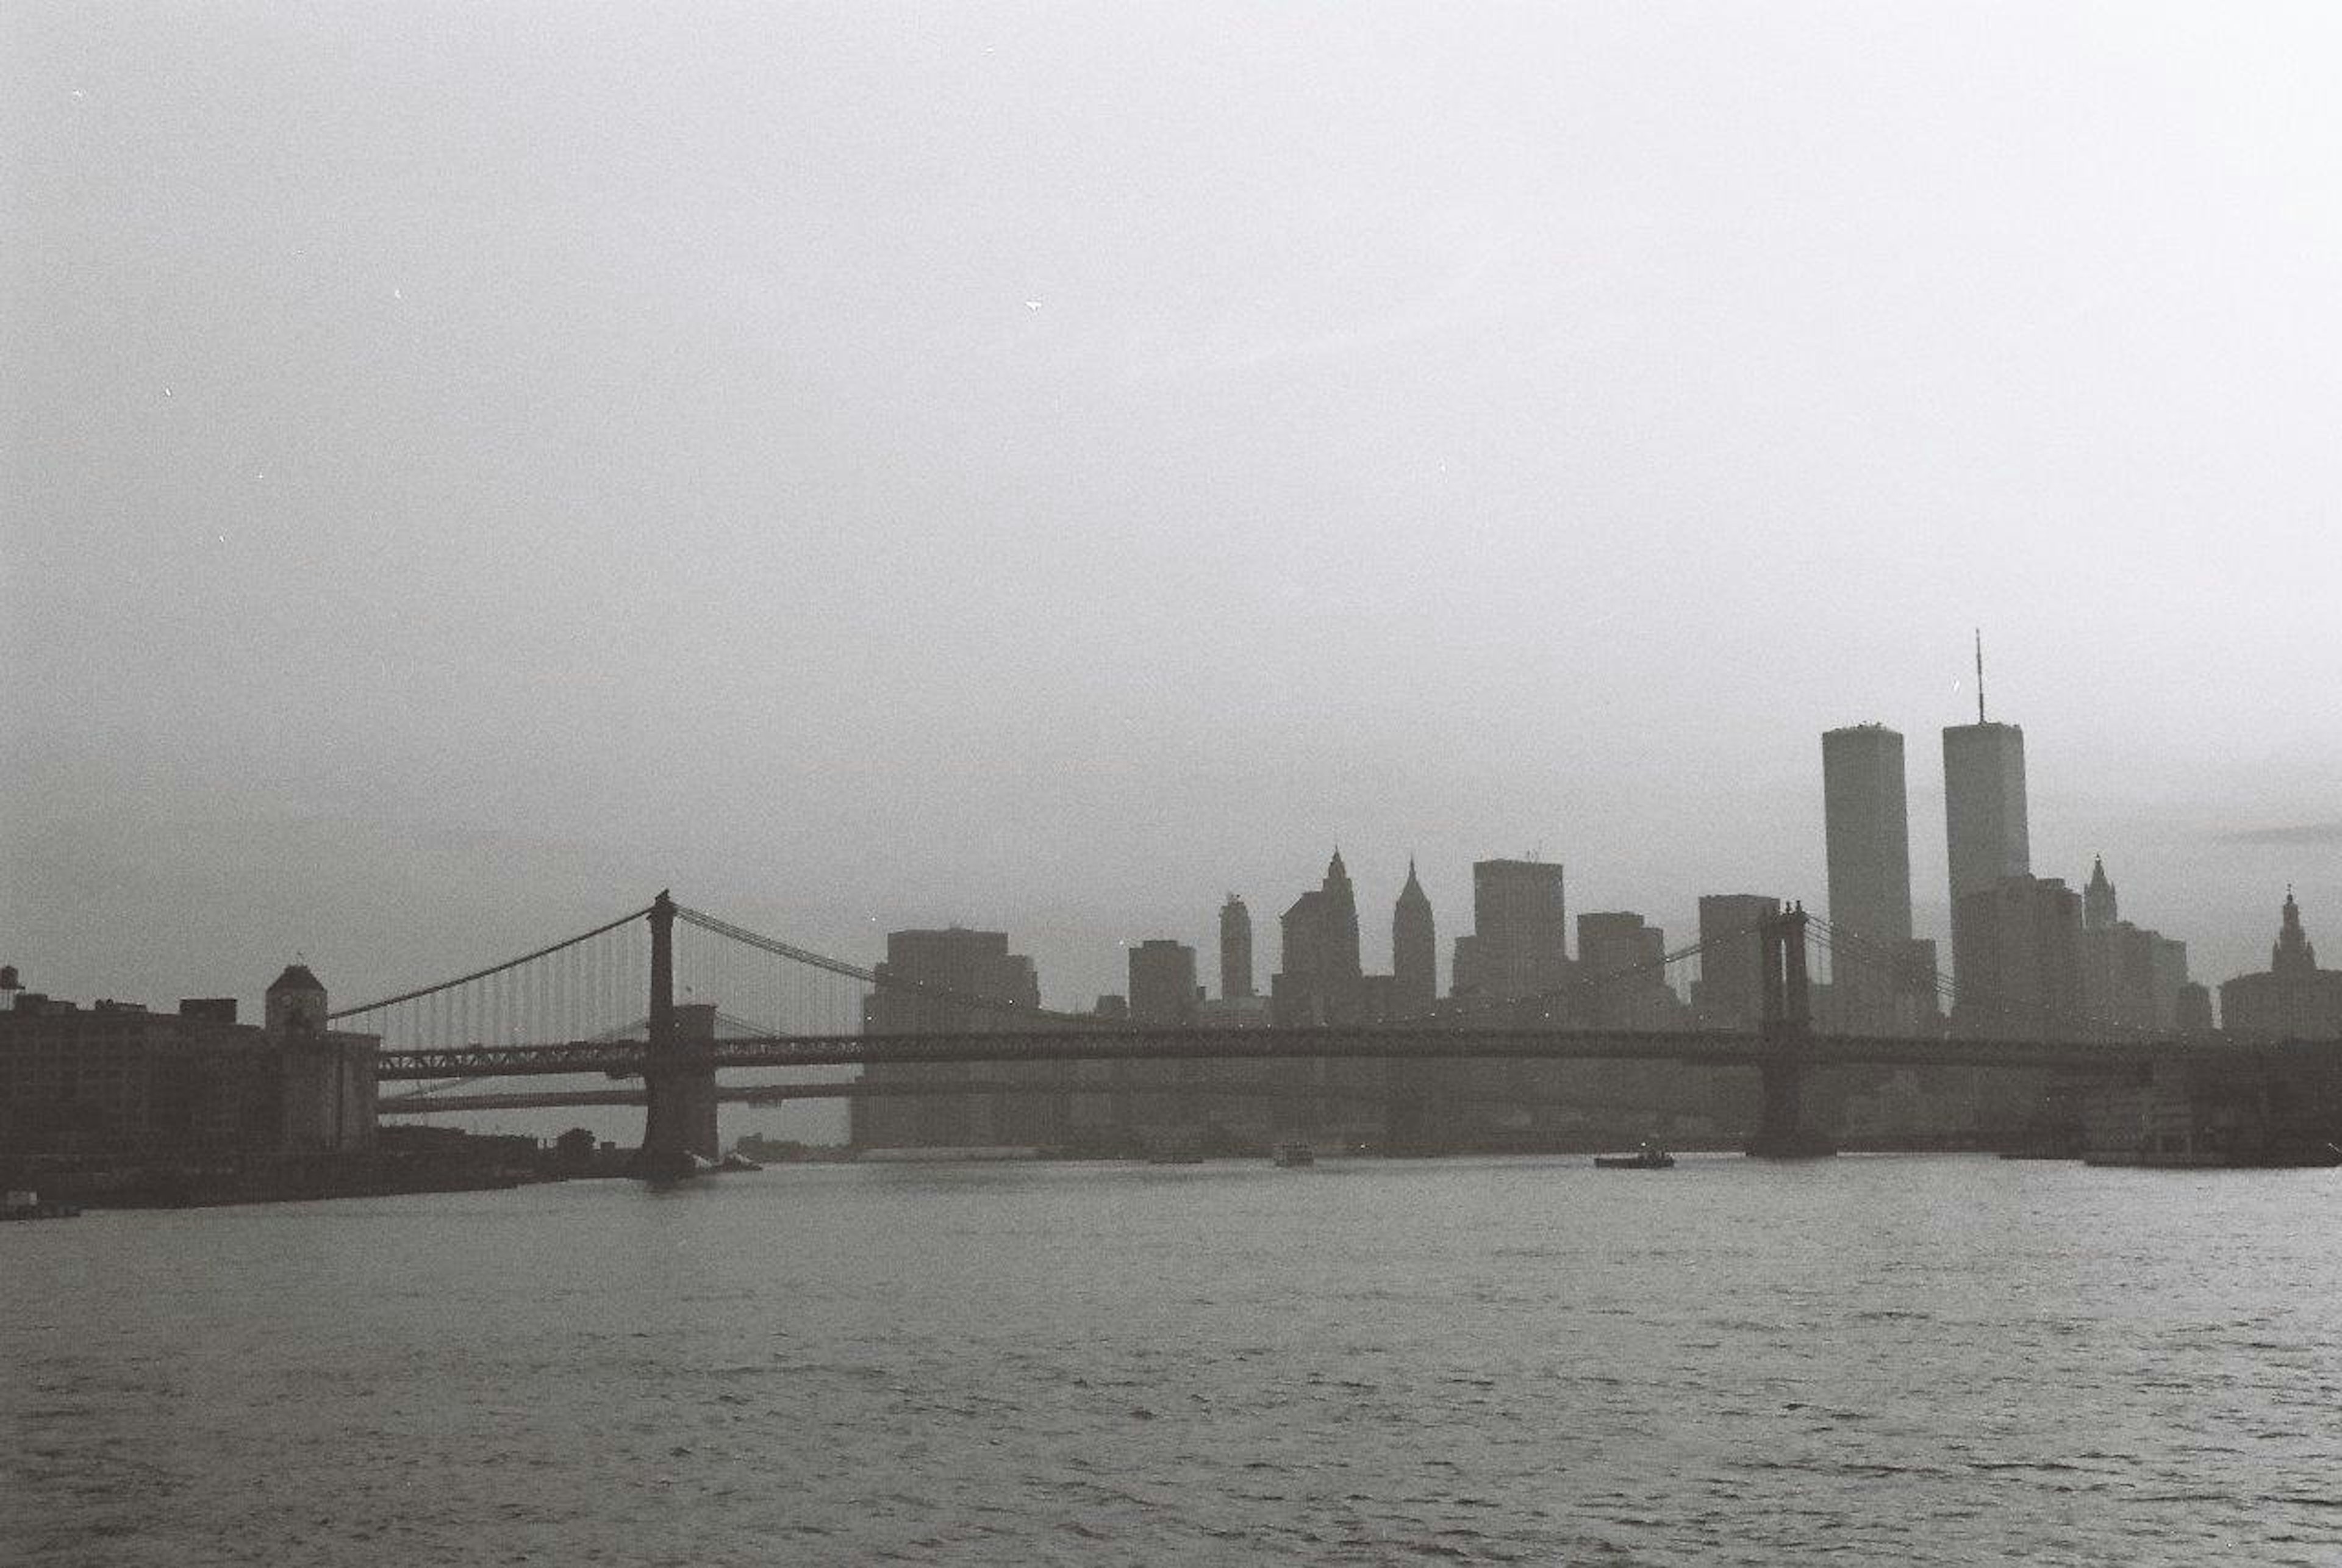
(1649, 1157)
(1292, 1156)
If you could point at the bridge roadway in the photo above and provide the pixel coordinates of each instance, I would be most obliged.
(628, 1059)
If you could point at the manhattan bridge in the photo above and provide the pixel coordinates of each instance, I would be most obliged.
(605, 1003)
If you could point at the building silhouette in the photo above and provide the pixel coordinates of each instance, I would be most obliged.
(1985, 828)
(1519, 944)
(2018, 954)
(2294, 999)
(1415, 953)
(114, 1082)
(1867, 835)
(1236, 949)
(958, 968)
(1163, 982)
(1621, 981)
(1730, 991)
(1320, 980)
(2132, 978)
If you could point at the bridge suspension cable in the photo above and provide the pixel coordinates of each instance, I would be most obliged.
(877, 978)
(493, 969)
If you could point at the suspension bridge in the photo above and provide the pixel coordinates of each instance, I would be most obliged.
(569, 1009)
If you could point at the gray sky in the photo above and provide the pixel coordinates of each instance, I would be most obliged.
(466, 468)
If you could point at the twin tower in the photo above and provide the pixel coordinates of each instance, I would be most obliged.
(1866, 823)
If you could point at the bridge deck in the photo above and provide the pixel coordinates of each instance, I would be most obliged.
(627, 1059)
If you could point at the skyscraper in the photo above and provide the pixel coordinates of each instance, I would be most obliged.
(1520, 944)
(1163, 982)
(1984, 808)
(1414, 951)
(1236, 949)
(1731, 989)
(1866, 828)
(1621, 982)
(1319, 981)
(2098, 906)
(2018, 952)
(973, 963)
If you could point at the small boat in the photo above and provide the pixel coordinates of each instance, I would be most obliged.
(1649, 1157)
(1292, 1156)
(29, 1206)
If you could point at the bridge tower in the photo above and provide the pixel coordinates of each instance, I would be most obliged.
(679, 1077)
(1787, 1030)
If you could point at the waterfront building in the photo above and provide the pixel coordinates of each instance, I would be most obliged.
(114, 1082)
(1866, 833)
(958, 970)
(1236, 949)
(2294, 999)
(1415, 953)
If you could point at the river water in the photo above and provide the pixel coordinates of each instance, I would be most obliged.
(1868, 1360)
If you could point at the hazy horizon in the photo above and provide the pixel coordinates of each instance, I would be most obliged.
(1044, 471)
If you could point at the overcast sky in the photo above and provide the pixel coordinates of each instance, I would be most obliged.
(467, 467)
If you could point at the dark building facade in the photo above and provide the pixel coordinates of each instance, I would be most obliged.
(1415, 953)
(1163, 982)
(2019, 961)
(114, 1083)
(1319, 980)
(956, 964)
(2294, 999)
(1520, 944)
(2132, 978)
(1621, 982)
(1235, 949)
(1985, 820)
(1730, 992)
(1867, 834)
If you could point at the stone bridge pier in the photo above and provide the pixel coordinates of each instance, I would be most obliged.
(1786, 1027)
(679, 1078)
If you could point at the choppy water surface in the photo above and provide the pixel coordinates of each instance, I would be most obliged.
(1872, 1361)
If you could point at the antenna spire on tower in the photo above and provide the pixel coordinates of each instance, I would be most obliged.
(1979, 653)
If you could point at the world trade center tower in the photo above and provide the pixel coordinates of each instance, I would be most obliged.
(1984, 813)
(1866, 828)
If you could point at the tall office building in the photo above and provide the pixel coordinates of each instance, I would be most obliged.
(1414, 951)
(2131, 978)
(1320, 980)
(1621, 981)
(2018, 951)
(1866, 828)
(1984, 808)
(1236, 949)
(2099, 909)
(1730, 994)
(970, 964)
(1163, 982)
(1520, 944)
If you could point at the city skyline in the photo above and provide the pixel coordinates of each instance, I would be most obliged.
(523, 493)
(1210, 934)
